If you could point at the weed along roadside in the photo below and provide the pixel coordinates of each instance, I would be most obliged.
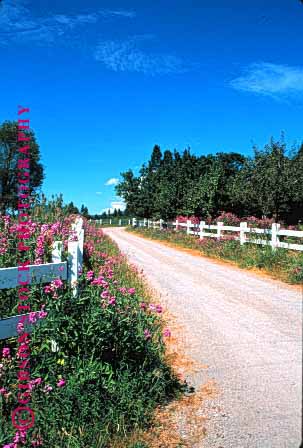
(281, 263)
(99, 367)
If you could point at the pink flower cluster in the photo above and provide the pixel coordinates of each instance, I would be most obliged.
(53, 287)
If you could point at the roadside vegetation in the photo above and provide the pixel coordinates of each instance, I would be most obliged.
(109, 372)
(283, 264)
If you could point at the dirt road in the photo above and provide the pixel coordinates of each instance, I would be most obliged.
(246, 329)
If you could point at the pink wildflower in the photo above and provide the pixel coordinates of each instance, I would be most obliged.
(131, 290)
(143, 306)
(147, 334)
(20, 327)
(47, 389)
(159, 308)
(57, 283)
(112, 301)
(61, 382)
(32, 317)
(105, 294)
(89, 275)
(6, 352)
(3, 391)
(167, 333)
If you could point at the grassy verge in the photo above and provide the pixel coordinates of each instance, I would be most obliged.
(282, 264)
(109, 372)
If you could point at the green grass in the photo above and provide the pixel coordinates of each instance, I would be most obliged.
(284, 264)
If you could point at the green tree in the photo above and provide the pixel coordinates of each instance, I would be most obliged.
(265, 186)
(84, 211)
(9, 154)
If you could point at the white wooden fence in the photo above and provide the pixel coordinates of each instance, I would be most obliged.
(45, 273)
(106, 221)
(246, 234)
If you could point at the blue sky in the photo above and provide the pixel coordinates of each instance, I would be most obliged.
(107, 80)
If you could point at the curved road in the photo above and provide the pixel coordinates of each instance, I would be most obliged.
(246, 329)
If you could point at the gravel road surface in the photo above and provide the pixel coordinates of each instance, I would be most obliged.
(246, 329)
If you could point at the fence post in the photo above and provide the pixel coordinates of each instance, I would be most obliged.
(144, 222)
(57, 252)
(188, 223)
(177, 222)
(219, 225)
(161, 224)
(129, 222)
(119, 222)
(134, 222)
(154, 224)
(274, 235)
(110, 221)
(80, 250)
(201, 226)
(73, 261)
(243, 227)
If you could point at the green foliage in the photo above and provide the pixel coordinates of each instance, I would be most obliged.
(268, 184)
(284, 264)
(9, 154)
(115, 376)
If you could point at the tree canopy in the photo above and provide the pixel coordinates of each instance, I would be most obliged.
(269, 183)
(9, 155)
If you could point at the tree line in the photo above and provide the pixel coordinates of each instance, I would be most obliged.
(267, 184)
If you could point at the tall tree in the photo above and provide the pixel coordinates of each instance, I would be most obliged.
(9, 155)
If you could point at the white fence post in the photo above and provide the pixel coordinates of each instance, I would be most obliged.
(201, 226)
(75, 256)
(243, 227)
(188, 223)
(57, 251)
(219, 230)
(73, 262)
(144, 222)
(154, 224)
(177, 222)
(110, 221)
(134, 222)
(120, 222)
(101, 222)
(274, 236)
(161, 224)
(129, 222)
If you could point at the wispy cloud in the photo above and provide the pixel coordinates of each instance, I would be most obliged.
(19, 24)
(112, 181)
(98, 193)
(270, 79)
(127, 56)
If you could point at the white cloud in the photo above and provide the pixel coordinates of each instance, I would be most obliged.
(98, 192)
(19, 24)
(270, 79)
(126, 56)
(112, 181)
(114, 205)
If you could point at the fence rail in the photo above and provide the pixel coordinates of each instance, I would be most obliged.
(111, 222)
(245, 234)
(44, 273)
